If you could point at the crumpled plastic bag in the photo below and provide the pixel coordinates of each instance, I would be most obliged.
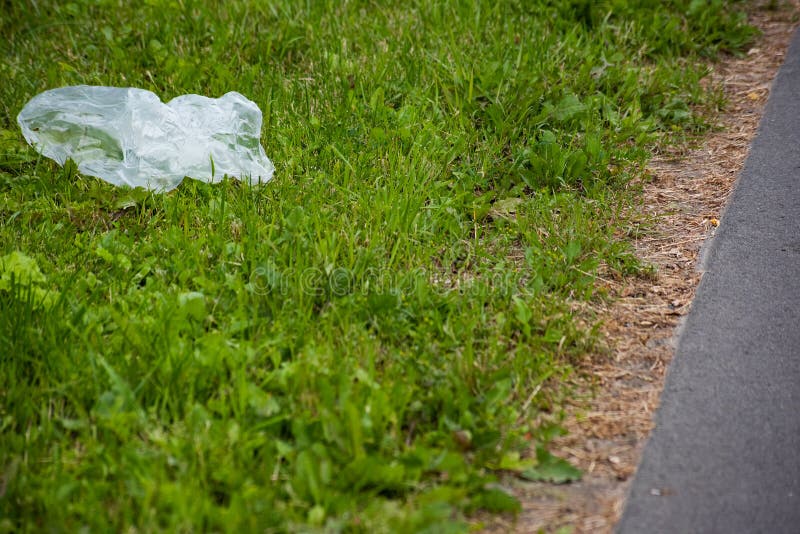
(127, 136)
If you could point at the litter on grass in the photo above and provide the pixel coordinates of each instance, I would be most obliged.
(127, 136)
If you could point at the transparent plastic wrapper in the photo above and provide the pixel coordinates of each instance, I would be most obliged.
(127, 136)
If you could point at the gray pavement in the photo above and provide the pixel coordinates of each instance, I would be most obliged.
(725, 453)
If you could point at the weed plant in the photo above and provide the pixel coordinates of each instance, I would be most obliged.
(363, 344)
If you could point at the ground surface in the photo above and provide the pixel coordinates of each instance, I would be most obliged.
(686, 196)
(725, 452)
(372, 340)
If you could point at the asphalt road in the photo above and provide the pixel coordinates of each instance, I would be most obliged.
(725, 454)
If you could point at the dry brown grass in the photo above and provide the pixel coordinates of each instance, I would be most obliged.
(619, 391)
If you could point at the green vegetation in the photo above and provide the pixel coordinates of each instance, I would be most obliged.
(362, 344)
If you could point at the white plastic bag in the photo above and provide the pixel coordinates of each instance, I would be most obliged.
(127, 136)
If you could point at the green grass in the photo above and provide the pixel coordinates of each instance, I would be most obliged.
(362, 344)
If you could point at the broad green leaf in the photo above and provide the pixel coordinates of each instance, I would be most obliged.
(568, 107)
(551, 469)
